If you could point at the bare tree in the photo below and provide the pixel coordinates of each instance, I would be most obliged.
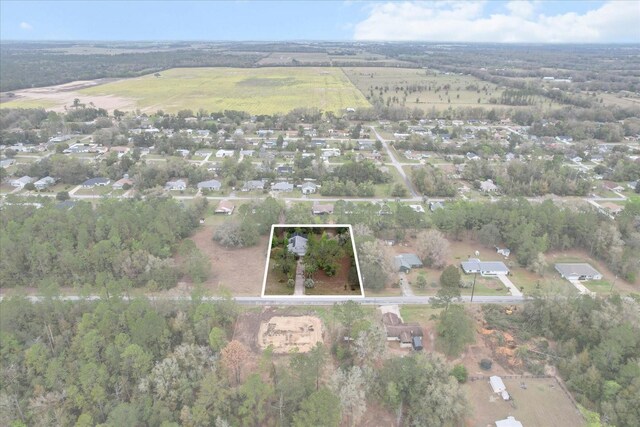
(433, 248)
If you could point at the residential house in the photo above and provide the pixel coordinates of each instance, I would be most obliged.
(203, 153)
(284, 170)
(96, 182)
(485, 268)
(366, 145)
(248, 153)
(253, 185)
(45, 182)
(612, 208)
(472, 156)
(182, 151)
(397, 330)
(225, 207)
(224, 153)
(405, 262)
(282, 186)
(119, 184)
(212, 185)
(322, 209)
(488, 186)
(21, 182)
(297, 245)
(5, 163)
(578, 271)
(176, 185)
(120, 150)
(308, 188)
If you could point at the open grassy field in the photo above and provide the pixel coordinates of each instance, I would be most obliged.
(541, 404)
(433, 90)
(255, 90)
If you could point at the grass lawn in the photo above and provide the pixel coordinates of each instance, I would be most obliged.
(601, 287)
(95, 191)
(418, 313)
(255, 90)
(28, 103)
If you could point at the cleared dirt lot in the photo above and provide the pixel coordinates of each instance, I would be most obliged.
(542, 404)
(239, 270)
(279, 327)
(287, 333)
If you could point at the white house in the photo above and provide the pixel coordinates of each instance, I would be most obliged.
(96, 182)
(308, 188)
(224, 153)
(297, 245)
(21, 182)
(488, 268)
(508, 422)
(176, 185)
(45, 182)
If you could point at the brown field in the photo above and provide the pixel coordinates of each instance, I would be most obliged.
(59, 97)
(238, 270)
(290, 333)
(541, 404)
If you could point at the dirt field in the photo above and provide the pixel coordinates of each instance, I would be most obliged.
(286, 333)
(58, 97)
(541, 404)
(239, 270)
(281, 327)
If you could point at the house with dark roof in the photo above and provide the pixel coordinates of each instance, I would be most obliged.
(96, 182)
(405, 333)
(405, 262)
(253, 185)
(322, 209)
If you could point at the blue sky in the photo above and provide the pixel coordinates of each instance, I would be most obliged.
(490, 21)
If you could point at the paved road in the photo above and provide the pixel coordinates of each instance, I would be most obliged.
(309, 300)
(396, 164)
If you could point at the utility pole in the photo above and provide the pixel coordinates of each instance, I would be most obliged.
(473, 287)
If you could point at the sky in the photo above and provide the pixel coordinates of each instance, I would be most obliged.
(567, 21)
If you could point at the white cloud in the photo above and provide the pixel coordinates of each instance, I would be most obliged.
(614, 21)
(26, 26)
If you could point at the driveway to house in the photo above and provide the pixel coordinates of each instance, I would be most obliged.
(509, 284)
(405, 286)
(581, 288)
(299, 289)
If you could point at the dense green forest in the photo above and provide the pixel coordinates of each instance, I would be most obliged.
(595, 344)
(29, 66)
(118, 244)
(138, 363)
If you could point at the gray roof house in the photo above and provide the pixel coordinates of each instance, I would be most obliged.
(308, 188)
(176, 185)
(45, 182)
(405, 262)
(282, 186)
(578, 271)
(485, 268)
(488, 186)
(93, 182)
(253, 185)
(212, 184)
(297, 245)
(21, 182)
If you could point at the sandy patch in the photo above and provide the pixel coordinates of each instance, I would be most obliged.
(286, 333)
(57, 97)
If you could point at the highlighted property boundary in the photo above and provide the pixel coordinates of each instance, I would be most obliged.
(355, 255)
